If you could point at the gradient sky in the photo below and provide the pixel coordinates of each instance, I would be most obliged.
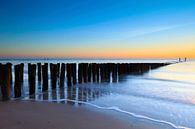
(97, 28)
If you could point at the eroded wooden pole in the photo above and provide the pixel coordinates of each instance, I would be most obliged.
(80, 73)
(62, 75)
(18, 70)
(32, 78)
(39, 71)
(54, 72)
(69, 73)
(6, 79)
(73, 68)
(45, 77)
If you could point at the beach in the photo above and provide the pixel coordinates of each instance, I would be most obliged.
(44, 115)
(97, 64)
(158, 98)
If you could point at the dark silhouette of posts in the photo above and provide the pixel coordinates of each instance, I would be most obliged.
(5, 82)
(73, 68)
(85, 72)
(32, 78)
(98, 72)
(89, 72)
(69, 72)
(102, 72)
(39, 71)
(80, 73)
(54, 74)
(10, 65)
(94, 71)
(114, 72)
(58, 70)
(45, 77)
(0, 74)
(105, 70)
(22, 72)
(18, 80)
(62, 75)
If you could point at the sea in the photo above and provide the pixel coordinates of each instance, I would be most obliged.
(165, 95)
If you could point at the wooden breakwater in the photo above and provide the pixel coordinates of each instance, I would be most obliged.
(69, 74)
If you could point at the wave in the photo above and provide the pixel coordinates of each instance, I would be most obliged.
(117, 109)
(168, 80)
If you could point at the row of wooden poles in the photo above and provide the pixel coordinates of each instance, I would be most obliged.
(87, 72)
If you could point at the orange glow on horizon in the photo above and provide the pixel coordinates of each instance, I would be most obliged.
(174, 50)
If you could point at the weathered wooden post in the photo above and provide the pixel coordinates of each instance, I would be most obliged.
(94, 72)
(22, 71)
(18, 80)
(32, 78)
(89, 72)
(58, 70)
(73, 68)
(6, 79)
(45, 77)
(102, 72)
(69, 73)
(0, 74)
(98, 72)
(114, 72)
(39, 71)
(10, 65)
(107, 71)
(54, 72)
(62, 75)
(80, 73)
(85, 71)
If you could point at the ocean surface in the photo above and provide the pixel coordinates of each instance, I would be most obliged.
(165, 95)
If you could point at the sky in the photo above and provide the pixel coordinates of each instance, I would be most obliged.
(97, 28)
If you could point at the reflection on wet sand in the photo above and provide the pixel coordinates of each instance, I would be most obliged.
(81, 93)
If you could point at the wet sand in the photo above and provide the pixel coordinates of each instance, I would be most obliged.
(44, 115)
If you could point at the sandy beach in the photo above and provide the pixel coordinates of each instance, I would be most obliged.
(43, 115)
(39, 115)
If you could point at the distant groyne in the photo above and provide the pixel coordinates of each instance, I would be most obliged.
(73, 73)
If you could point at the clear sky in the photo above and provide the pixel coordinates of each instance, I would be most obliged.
(97, 28)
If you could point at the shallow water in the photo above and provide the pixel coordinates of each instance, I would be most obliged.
(164, 95)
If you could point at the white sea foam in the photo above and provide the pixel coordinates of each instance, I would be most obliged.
(117, 109)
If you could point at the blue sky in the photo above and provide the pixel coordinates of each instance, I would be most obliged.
(96, 28)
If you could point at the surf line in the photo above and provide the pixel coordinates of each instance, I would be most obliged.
(115, 109)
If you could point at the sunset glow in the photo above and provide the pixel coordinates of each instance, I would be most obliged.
(97, 28)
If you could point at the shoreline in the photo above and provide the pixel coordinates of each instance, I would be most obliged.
(48, 115)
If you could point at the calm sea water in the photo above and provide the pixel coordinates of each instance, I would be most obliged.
(164, 95)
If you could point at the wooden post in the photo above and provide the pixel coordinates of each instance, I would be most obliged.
(80, 73)
(73, 68)
(0, 74)
(22, 72)
(6, 79)
(94, 71)
(39, 71)
(69, 73)
(85, 71)
(98, 72)
(89, 72)
(54, 72)
(45, 77)
(10, 65)
(108, 71)
(62, 75)
(102, 72)
(58, 70)
(32, 78)
(114, 72)
(18, 80)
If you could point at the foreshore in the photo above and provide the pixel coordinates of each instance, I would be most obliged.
(44, 115)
